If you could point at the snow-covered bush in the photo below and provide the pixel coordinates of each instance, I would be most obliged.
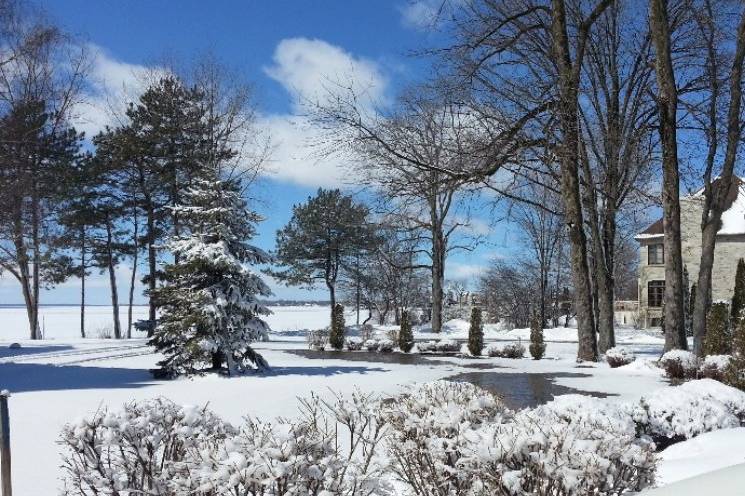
(354, 344)
(617, 357)
(679, 364)
(442, 346)
(510, 350)
(317, 339)
(452, 438)
(673, 414)
(298, 457)
(371, 345)
(714, 367)
(386, 345)
(569, 448)
(139, 448)
(159, 448)
(428, 426)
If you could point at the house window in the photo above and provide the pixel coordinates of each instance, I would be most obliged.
(656, 254)
(655, 293)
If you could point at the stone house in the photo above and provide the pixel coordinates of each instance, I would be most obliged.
(729, 248)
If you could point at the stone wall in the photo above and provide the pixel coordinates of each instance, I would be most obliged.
(728, 250)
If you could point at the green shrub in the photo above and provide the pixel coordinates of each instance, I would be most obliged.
(718, 339)
(537, 346)
(405, 336)
(336, 337)
(734, 374)
(476, 333)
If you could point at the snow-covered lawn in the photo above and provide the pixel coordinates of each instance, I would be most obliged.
(62, 378)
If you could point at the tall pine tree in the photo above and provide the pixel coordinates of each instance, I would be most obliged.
(210, 313)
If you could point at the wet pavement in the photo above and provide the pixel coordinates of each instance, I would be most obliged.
(518, 390)
(523, 390)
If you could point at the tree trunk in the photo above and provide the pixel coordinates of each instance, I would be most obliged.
(667, 102)
(35, 219)
(134, 275)
(152, 268)
(332, 297)
(711, 220)
(567, 107)
(438, 272)
(112, 281)
(82, 282)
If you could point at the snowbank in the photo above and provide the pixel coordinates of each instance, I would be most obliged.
(705, 453)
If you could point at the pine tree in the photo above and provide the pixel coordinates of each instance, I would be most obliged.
(209, 308)
(405, 334)
(476, 333)
(336, 337)
(735, 372)
(718, 339)
(322, 239)
(738, 298)
(537, 346)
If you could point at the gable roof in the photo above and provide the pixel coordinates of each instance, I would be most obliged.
(733, 218)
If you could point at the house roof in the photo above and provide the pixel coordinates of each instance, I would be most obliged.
(733, 218)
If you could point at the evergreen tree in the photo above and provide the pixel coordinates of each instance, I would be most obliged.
(738, 298)
(735, 372)
(476, 333)
(336, 336)
(165, 147)
(687, 307)
(209, 307)
(405, 334)
(691, 306)
(321, 240)
(537, 346)
(39, 151)
(718, 339)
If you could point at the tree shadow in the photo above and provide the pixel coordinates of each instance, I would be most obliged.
(31, 377)
(6, 352)
(318, 371)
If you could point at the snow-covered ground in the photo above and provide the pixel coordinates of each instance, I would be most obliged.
(62, 378)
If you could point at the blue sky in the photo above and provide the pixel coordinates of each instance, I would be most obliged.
(284, 48)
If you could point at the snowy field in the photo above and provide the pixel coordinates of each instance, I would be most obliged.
(64, 377)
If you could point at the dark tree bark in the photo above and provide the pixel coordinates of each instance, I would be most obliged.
(667, 103)
(110, 264)
(82, 281)
(568, 116)
(717, 195)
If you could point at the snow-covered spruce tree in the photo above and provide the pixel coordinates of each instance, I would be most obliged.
(336, 336)
(537, 346)
(718, 339)
(738, 298)
(405, 335)
(476, 333)
(209, 308)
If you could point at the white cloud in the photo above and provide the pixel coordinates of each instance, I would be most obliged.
(311, 69)
(307, 68)
(461, 271)
(421, 14)
(113, 84)
(293, 158)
